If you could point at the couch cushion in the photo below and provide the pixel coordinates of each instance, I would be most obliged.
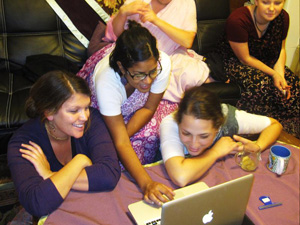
(211, 18)
(212, 9)
(228, 93)
(14, 89)
(30, 27)
(27, 27)
(208, 33)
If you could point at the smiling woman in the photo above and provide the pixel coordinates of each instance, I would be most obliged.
(127, 87)
(61, 140)
(254, 55)
(70, 119)
(206, 130)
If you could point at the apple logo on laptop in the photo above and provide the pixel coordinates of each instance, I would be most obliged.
(208, 217)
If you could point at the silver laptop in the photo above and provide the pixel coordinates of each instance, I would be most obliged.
(198, 204)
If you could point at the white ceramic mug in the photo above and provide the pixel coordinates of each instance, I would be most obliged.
(278, 159)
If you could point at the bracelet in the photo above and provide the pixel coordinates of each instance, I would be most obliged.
(259, 152)
(258, 147)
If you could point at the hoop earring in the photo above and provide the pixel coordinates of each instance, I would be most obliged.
(51, 126)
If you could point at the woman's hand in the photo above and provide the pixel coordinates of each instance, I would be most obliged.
(136, 7)
(247, 144)
(280, 83)
(84, 159)
(224, 146)
(148, 15)
(34, 154)
(157, 193)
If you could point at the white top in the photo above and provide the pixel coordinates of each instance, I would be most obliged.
(110, 91)
(171, 145)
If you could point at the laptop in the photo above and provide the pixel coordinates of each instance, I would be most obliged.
(198, 204)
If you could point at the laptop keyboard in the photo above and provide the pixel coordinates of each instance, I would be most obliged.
(153, 222)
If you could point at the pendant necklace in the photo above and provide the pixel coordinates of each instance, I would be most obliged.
(56, 138)
(255, 23)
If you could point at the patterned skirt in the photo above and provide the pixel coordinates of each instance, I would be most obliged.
(260, 96)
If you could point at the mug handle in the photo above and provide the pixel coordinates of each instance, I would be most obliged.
(237, 156)
(280, 166)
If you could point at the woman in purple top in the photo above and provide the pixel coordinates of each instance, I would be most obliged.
(254, 54)
(65, 146)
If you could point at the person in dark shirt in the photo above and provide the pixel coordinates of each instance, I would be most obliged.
(64, 146)
(253, 49)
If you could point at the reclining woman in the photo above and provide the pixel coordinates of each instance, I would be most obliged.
(60, 148)
(174, 24)
(207, 131)
(253, 49)
(127, 88)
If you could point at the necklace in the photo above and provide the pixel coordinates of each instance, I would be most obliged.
(255, 22)
(56, 138)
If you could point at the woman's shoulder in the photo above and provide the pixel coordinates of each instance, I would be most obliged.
(95, 116)
(32, 130)
(240, 14)
(239, 25)
(105, 76)
(165, 59)
(102, 67)
(31, 127)
(285, 13)
(161, 82)
(165, 63)
(169, 119)
(286, 17)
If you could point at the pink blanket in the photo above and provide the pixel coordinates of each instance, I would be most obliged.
(111, 207)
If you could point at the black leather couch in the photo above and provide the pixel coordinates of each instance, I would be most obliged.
(30, 27)
(211, 18)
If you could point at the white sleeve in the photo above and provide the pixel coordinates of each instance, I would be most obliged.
(251, 123)
(109, 90)
(191, 15)
(161, 82)
(170, 143)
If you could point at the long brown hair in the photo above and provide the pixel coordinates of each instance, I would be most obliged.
(202, 104)
(51, 90)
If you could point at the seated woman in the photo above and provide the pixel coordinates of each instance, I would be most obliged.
(174, 24)
(128, 86)
(206, 129)
(254, 55)
(60, 148)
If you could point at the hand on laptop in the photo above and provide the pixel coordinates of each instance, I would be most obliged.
(157, 193)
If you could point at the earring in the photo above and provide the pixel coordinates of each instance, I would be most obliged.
(51, 126)
(124, 80)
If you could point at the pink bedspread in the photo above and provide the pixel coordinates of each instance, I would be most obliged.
(111, 207)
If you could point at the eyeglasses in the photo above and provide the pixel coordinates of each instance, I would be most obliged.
(152, 74)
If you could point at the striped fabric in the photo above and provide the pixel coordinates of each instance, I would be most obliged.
(80, 16)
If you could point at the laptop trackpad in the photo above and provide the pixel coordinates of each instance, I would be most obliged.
(191, 189)
(143, 211)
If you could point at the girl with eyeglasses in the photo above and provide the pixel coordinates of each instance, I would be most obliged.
(127, 87)
(174, 25)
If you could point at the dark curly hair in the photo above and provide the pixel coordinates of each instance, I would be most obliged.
(136, 44)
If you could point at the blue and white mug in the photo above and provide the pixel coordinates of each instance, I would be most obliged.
(278, 159)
